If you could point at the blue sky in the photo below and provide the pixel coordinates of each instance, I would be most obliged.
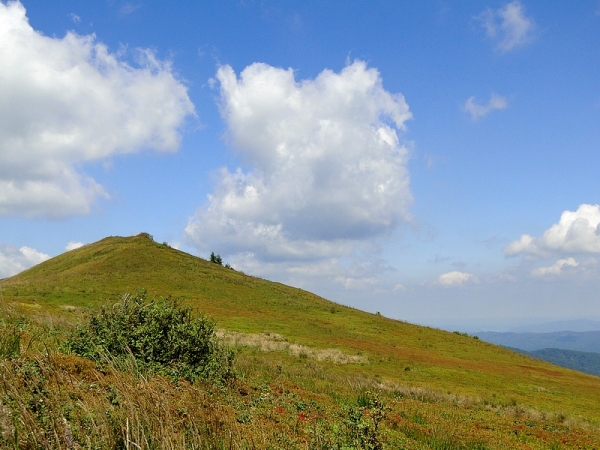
(434, 161)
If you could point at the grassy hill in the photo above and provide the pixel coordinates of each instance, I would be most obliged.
(473, 394)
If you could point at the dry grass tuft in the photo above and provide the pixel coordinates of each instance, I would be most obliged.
(273, 342)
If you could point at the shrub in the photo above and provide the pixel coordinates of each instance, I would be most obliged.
(162, 336)
(216, 259)
(363, 421)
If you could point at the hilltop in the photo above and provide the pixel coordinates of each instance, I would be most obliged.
(376, 352)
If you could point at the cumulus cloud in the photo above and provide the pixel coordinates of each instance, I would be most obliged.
(456, 278)
(73, 245)
(317, 275)
(65, 102)
(477, 111)
(508, 26)
(556, 269)
(14, 260)
(576, 232)
(327, 170)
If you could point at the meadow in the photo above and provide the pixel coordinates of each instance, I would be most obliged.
(309, 373)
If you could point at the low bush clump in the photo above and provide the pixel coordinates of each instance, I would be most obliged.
(162, 337)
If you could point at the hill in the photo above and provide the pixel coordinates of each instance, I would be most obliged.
(583, 341)
(325, 352)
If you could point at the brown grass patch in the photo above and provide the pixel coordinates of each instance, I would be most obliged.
(273, 342)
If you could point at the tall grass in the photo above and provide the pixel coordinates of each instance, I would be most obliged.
(50, 399)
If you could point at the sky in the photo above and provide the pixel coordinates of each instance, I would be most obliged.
(437, 162)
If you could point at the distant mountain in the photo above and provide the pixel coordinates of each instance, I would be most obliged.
(588, 341)
(562, 325)
(517, 325)
(585, 362)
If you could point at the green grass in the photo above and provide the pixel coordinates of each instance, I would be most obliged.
(432, 380)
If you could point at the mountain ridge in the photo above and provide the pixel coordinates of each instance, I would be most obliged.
(576, 325)
(586, 362)
(581, 341)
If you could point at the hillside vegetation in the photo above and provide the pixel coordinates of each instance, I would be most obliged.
(310, 373)
(587, 362)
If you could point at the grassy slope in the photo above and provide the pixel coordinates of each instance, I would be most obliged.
(448, 362)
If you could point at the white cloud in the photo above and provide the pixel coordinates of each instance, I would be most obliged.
(73, 245)
(477, 111)
(129, 8)
(399, 287)
(65, 102)
(351, 283)
(508, 26)
(555, 269)
(576, 232)
(317, 275)
(328, 174)
(75, 18)
(14, 260)
(456, 278)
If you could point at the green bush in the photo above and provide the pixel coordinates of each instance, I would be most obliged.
(216, 259)
(363, 421)
(162, 336)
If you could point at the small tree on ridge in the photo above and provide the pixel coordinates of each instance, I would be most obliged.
(216, 259)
